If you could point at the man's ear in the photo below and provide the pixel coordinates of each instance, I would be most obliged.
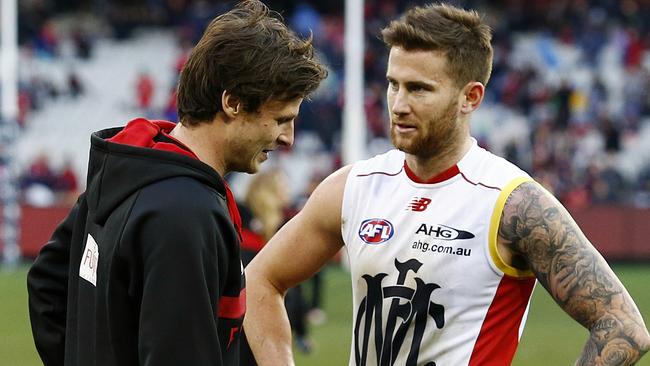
(230, 105)
(473, 94)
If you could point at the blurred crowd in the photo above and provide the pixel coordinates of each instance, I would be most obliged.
(43, 185)
(572, 76)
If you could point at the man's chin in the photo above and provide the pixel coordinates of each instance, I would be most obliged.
(413, 148)
(402, 145)
(250, 168)
(254, 168)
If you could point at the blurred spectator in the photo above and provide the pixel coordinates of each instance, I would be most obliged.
(46, 43)
(39, 172)
(24, 105)
(265, 205)
(83, 44)
(609, 187)
(144, 91)
(75, 88)
(306, 20)
(170, 112)
(45, 186)
(268, 200)
(562, 96)
(641, 198)
(264, 210)
(67, 184)
(611, 134)
(38, 183)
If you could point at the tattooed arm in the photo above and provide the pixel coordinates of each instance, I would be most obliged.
(539, 234)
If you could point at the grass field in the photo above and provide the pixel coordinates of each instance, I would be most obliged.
(551, 337)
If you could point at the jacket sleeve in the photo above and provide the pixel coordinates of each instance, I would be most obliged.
(47, 287)
(182, 250)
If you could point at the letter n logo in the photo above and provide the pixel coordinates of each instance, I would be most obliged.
(419, 204)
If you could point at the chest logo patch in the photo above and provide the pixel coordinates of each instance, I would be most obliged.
(419, 204)
(376, 231)
(443, 232)
(89, 260)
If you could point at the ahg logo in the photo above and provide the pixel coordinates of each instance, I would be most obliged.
(419, 204)
(443, 232)
(376, 231)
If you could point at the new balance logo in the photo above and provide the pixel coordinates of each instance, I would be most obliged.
(419, 204)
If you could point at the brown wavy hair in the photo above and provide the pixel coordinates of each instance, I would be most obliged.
(251, 53)
(461, 34)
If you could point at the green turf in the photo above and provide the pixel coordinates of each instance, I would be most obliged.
(16, 345)
(550, 338)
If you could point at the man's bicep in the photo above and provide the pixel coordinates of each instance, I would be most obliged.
(303, 245)
(536, 227)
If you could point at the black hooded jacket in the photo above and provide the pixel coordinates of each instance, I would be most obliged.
(153, 233)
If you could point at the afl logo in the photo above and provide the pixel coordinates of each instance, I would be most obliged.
(376, 231)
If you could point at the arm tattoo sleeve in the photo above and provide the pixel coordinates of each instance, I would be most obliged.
(536, 227)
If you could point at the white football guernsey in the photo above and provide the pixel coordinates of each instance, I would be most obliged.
(428, 285)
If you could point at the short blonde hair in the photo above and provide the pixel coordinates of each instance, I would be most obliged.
(461, 34)
(267, 197)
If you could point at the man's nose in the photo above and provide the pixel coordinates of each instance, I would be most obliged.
(286, 136)
(400, 104)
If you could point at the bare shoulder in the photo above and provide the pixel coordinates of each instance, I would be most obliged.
(327, 199)
(334, 184)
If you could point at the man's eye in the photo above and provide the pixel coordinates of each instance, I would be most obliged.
(419, 88)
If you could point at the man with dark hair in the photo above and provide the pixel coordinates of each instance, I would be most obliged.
(445, 240)
(146, 268)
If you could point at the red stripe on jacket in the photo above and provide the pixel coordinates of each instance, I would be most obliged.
(232, 307)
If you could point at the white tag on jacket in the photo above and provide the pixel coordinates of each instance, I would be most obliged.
(89, 259)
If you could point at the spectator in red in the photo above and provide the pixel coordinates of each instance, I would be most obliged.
(40, 172)
(24, 105)
(145, 90)
(171, 110)
(67, 184)
(37, 183)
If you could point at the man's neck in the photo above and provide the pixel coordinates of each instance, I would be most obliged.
(202, 140)
(426, 168)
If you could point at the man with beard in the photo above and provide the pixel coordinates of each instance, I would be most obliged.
(445, 240)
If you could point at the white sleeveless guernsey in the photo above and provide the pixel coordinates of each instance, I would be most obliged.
(428, 285)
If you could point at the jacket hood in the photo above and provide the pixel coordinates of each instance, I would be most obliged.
(117, 170)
